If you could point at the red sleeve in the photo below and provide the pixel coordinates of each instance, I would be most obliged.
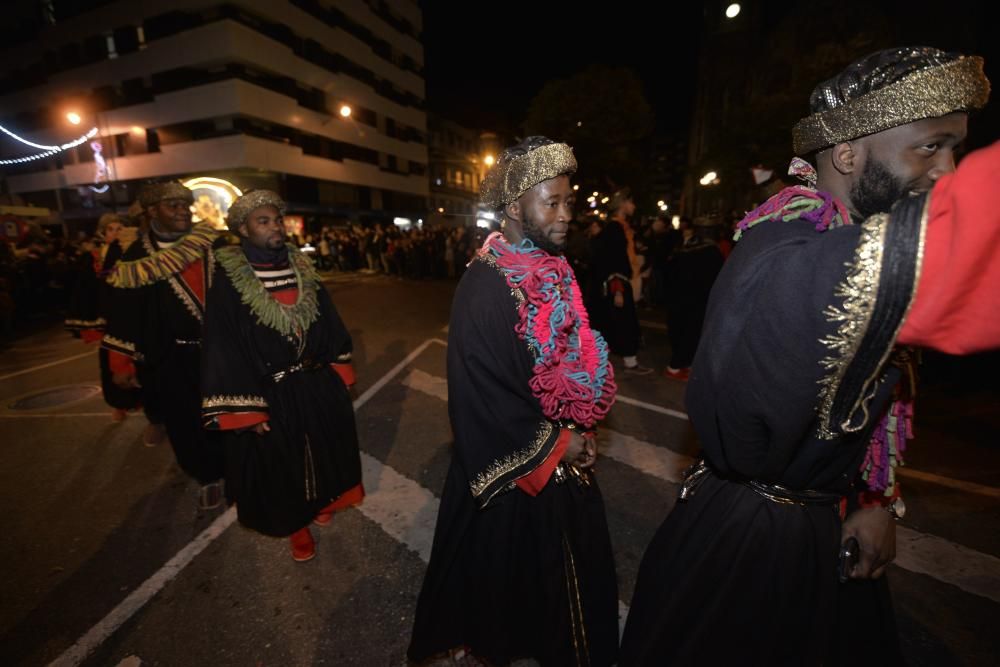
(232, 421)
(533, 483)
(91, 335)
(120, 364)
(346, 373)
(957, 305)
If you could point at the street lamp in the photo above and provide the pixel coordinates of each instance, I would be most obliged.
(488, 160)
(74, 117)
(345, 111)
(733, 10)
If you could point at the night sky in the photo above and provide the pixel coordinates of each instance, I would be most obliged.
(524, 44)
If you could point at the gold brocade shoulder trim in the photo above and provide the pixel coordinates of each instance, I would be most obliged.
(859, 290)
(507, 464)
(119, 343)
(490, 260)
(233, 401)
(162, 264)
(293, 319)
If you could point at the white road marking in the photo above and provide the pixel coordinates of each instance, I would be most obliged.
(402, 507)
(48, 365)
(970, 570)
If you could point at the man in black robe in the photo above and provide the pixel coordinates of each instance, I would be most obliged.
(793, 390)
(153, 335)
(275, 378)
(88, 308)
(616, 268)
(521, 565)
(690, 274)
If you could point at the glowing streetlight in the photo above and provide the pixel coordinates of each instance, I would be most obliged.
(709, 178)
(74, 117)
(733, 10)
(660, 203)
(596, 193)
(606, 200)
(440, 210)
(576, 187)
(488, 160)
(345, 111)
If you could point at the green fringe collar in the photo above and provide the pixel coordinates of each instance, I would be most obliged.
(293, 319)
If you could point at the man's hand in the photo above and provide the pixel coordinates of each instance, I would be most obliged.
(125, 380)
(876, 534)
(581, 452)
(619, 299)
(261, 428)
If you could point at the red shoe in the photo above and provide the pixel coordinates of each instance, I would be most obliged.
(323, 518)
(303, 545)
(681, 374)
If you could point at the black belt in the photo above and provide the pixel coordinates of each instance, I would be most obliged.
(696, 474)
(304, 365)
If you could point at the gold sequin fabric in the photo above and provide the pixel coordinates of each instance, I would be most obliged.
(960, 85)
(506, 182)
(245, 205)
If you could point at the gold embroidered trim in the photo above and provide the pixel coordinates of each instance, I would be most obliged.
(503, 466)
(86, 324)
(119, 343)
(344, 358)
(859, 290)
(492, 261)
(226, 401)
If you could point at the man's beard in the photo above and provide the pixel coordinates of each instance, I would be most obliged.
(876, 191)
(536, 236)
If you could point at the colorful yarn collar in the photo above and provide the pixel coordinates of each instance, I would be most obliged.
(572, 377)
(291, 319)
(799, 202)
(167, 262)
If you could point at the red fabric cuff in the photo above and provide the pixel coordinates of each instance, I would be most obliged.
(876, 498)
(533, 483)
(120, 364)
(346, 373)
(353, 496)
(91, 335)
(232, 421)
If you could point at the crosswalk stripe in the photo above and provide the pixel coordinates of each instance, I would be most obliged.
(970, 570)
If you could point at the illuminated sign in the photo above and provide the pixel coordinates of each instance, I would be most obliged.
(212, 199)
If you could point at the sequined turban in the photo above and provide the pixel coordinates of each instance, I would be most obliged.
(245, 205)
(887, 89)
(507, 181)
(154, 193)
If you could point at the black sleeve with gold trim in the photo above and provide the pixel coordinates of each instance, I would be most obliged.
(791, 374)
(500, 431)
(231, 379)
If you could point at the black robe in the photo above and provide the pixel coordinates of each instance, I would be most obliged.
(620, 326)
(158, 325)
(786, 384)
(690, 274)
(280, 479)
(90, 301)
(511, 575)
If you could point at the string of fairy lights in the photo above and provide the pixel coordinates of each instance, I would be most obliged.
(47, 151)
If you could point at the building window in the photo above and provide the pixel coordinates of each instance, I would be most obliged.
(110, 40)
